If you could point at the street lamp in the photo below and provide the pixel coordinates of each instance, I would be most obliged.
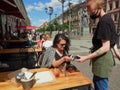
(49, 11)
(62, 1)
(70, 7)
(83, 15)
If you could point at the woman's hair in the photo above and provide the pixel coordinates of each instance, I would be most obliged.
(47, 36)
(98, 4)
(41, 36)
(58, 38)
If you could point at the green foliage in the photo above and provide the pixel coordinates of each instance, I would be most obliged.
(66, 26)
(53, 26)
(38, 30)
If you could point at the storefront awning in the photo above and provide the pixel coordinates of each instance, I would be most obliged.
(9, 7)
(26, 27)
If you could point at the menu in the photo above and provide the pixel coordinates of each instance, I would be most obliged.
(44, 77)
(41, 77)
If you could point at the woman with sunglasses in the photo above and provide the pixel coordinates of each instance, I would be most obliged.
(57, 55)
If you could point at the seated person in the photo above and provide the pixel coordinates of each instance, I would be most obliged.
(41, 40)
(40, 43)
(29, 39)
(3, 43)
(48, 42)
(57, 55)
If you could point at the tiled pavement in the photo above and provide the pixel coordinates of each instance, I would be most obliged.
(114, 80)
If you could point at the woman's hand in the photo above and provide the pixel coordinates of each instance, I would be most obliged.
(67, 58)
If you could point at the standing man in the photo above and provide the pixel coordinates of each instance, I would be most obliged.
(103, 40)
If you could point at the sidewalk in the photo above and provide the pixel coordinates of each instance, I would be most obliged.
(85, 68)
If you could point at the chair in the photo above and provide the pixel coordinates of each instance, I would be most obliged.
(40, 58)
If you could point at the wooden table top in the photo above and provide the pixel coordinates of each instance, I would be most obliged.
(19, 50)
(74, 79)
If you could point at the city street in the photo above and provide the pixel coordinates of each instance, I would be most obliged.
(22, 23)
(114, 80)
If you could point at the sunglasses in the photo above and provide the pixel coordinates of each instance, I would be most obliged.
(63, 44)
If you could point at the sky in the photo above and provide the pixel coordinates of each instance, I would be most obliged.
(36, 9)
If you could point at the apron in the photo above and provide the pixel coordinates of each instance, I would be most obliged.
(102, 65)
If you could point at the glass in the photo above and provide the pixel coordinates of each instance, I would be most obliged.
(64, 70)
(56, 72)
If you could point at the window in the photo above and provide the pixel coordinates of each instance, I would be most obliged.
(110, 4)
(115, 17)
(117, 3)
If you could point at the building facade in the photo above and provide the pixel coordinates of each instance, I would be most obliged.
(12, 14)
(113, 8)
(76, 17)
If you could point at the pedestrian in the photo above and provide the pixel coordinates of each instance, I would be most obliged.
(104, 38)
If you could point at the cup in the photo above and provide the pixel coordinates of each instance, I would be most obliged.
(56, 72)
(28, 83)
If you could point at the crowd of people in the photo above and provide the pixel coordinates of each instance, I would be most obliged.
(45, 41)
